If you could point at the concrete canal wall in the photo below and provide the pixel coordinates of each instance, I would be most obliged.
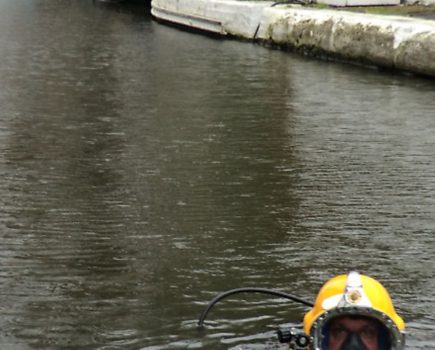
(395, 42)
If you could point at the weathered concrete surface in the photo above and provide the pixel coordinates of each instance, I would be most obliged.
(393, 42)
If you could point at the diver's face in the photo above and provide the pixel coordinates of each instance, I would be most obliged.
(353, 333)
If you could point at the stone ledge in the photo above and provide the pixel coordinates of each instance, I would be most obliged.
(392, 42)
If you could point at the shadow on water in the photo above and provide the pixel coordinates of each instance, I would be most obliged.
(137, 9)
(64, 199)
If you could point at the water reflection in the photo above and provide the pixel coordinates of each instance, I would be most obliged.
(65, 199)
(145, 169)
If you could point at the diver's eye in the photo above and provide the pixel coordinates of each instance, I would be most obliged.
(368, 332)
(339, 331)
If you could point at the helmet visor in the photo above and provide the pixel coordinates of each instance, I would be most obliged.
(373, 330)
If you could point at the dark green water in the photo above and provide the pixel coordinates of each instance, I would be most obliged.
(145, 169)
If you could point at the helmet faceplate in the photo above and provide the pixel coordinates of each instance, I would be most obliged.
(353, 294)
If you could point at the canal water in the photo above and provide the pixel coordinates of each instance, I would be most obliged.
(145, 169)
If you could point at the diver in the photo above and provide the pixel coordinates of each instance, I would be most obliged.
(354, 312)
(351, 312)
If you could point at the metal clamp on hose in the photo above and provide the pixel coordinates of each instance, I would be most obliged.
(296, 338)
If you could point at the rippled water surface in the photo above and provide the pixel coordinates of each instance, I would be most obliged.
(144, 169)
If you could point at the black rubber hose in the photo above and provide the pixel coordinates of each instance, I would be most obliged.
(249, 290)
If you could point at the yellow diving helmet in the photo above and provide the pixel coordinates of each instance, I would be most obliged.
(353, 295)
